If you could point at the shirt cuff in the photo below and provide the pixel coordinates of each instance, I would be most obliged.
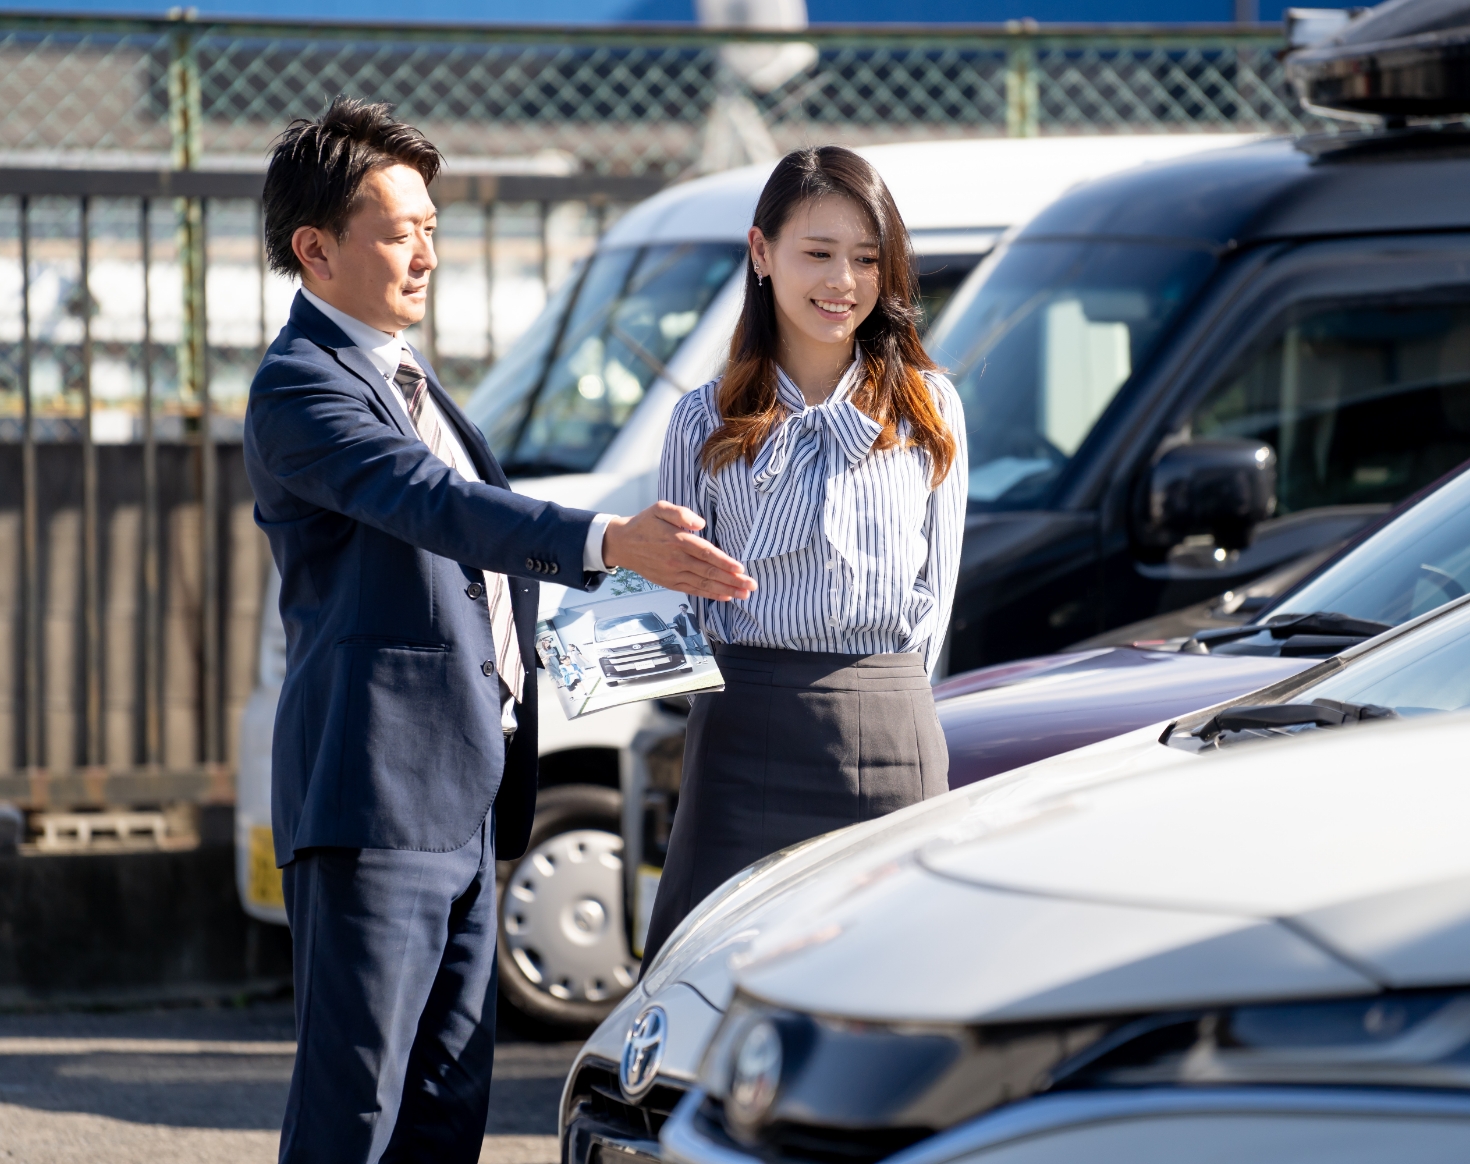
(592, 553)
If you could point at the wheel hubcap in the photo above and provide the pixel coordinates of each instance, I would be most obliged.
(563, 917)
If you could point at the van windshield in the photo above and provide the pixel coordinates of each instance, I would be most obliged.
(627, 625)
(556, 401)
(1041, 340)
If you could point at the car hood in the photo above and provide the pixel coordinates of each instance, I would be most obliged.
(999, 718)
(1333, 863)
(800, 885)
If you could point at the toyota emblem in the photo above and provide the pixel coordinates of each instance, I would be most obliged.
(643, 1051)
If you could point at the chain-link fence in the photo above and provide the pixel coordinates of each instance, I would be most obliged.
(616, 101)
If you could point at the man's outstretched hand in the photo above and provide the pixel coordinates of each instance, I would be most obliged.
(659, 543)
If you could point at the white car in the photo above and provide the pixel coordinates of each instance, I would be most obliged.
(576, 411)
(1086, 958)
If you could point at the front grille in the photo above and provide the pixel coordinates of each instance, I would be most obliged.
(659, 654)
(803, 1144)
(597, 1096)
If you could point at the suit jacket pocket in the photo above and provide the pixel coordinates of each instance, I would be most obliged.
(419, 744)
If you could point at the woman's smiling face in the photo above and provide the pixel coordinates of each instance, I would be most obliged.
(823, 270)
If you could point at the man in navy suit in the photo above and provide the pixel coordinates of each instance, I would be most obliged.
(404, 758)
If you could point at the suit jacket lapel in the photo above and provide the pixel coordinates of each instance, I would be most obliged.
(323, 332)
(356, 361)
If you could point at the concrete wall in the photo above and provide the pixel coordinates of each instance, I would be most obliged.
(128, 928)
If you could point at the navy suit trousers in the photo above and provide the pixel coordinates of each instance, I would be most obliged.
(395, 973)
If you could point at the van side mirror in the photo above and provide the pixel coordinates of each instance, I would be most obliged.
(1219, 487)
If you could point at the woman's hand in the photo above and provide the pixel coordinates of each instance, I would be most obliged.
(659, 544)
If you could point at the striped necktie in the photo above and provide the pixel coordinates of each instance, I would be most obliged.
(429, 423)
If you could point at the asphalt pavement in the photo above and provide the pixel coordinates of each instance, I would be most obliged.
(208, 1086)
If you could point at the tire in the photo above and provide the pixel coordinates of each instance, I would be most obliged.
(562, 942)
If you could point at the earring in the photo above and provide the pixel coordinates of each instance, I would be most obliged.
(759, 278)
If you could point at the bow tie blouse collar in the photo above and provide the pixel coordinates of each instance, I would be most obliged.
(801, 471)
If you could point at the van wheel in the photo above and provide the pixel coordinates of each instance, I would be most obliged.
(564, 957)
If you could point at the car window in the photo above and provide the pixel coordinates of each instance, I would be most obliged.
(940, 277)
(613, 334)
(1363, 404)
(1040, 341)
(1416, 562)
(498, 406)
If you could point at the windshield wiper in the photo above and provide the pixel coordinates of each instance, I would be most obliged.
(1322, 623)
(1326, 622)
(1318, 713)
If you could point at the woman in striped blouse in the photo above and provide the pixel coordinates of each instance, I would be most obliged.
(830, 459)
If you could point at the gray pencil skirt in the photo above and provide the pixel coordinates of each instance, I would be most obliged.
(797, 744)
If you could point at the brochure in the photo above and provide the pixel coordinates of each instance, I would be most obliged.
(627, 641)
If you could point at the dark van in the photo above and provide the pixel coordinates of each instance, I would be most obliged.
(1184, 376)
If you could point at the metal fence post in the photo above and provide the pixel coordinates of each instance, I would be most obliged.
(1021, 89)
(152, 627)
(489, 259)
(209, 598)
(185, 115)
(30, 518)
(91, 568)
(183, 94)
(183, 121)
(543, 210)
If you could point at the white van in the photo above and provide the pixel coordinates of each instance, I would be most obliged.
(576, 412)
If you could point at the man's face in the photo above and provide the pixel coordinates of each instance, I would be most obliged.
(378, 272)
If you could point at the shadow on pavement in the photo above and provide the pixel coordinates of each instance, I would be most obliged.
(218, 1068)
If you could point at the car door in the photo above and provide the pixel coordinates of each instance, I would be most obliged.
(1351, 360)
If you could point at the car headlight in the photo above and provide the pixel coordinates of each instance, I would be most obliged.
(793, 1084)
(755, 1075)
(774, 1076)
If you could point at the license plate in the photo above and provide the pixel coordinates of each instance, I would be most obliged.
(263, 885)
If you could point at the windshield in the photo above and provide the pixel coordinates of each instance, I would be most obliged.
(1041, 340)
(1425, 670)
(1416, 562)
(1422, 671)
(628, 625)
(556, 402)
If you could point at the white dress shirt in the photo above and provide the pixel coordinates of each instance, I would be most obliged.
(383, 350)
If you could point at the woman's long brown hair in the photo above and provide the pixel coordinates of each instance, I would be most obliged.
(893, 388)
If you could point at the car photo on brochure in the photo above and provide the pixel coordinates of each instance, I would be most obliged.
(629, 640)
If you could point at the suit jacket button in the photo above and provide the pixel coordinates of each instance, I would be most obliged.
(488, 666)
(555, 568)
(531, 564)
(474, 590)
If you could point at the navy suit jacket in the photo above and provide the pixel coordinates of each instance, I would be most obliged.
(388, 731)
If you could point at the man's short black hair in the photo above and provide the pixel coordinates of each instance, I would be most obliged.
(317, 168)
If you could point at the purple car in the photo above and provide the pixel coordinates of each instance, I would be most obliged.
(1412, 560)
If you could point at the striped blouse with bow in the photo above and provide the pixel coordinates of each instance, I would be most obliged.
(852, 550)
